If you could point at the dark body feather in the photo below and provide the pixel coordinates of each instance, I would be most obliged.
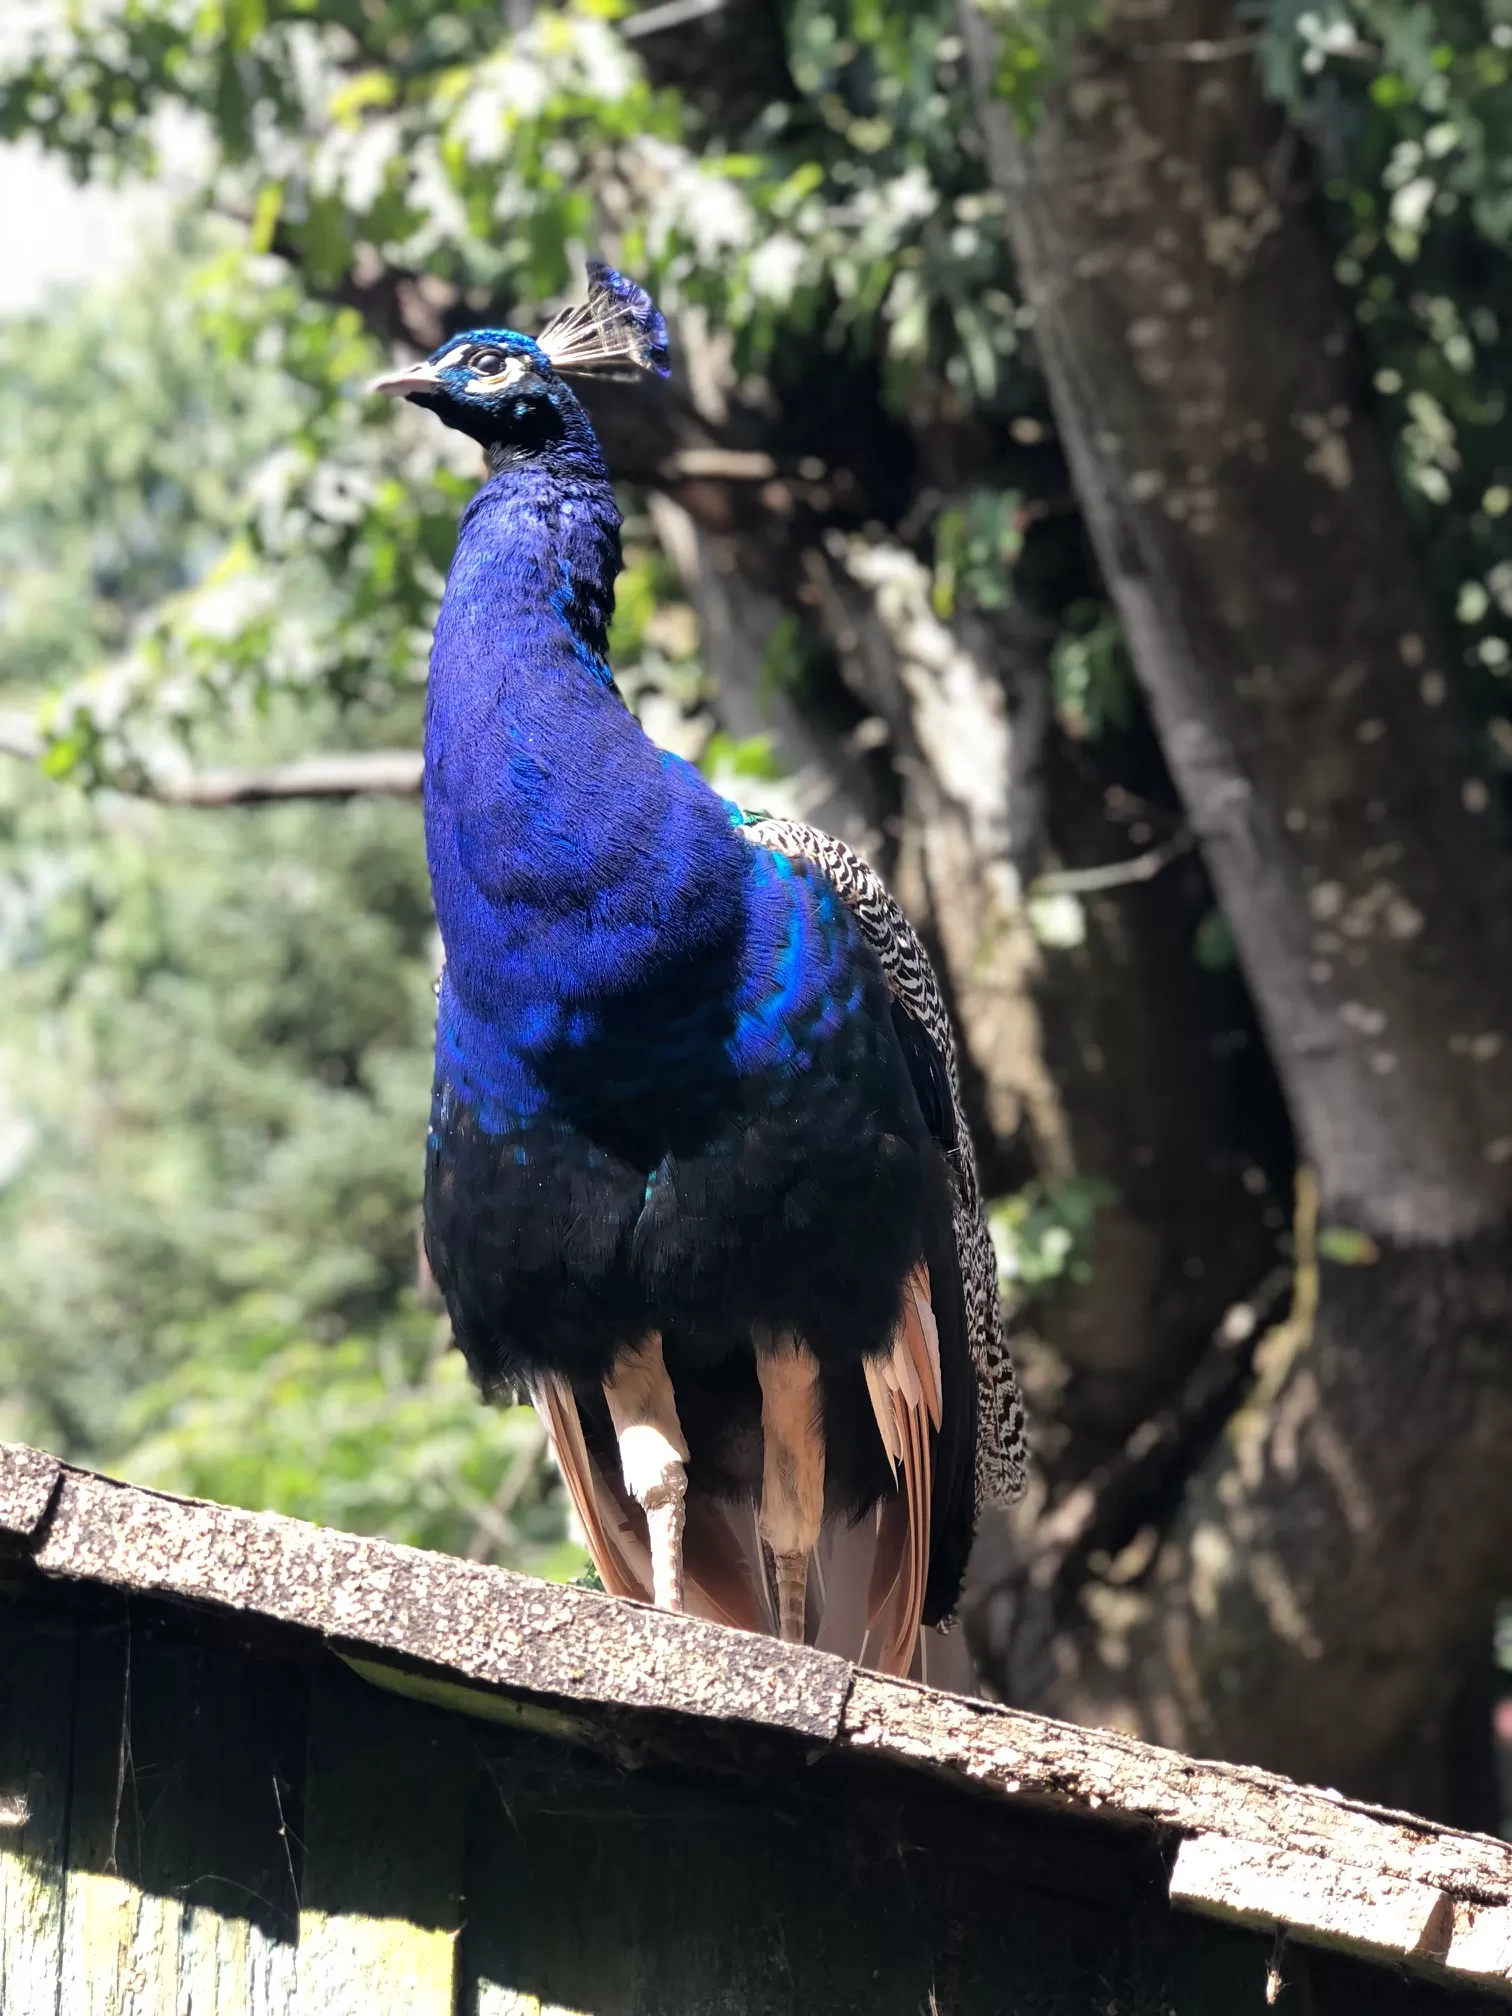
(672, 1090)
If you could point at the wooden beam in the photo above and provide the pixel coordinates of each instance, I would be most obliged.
(479, 1623)
(1244, 1844)
(1333, 1902)
(179, 1892)
(1251, 1848)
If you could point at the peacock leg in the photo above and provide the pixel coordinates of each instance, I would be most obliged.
(792, 1469)
(652, 1455)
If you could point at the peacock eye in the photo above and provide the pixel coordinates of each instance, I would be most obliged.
(487, 363)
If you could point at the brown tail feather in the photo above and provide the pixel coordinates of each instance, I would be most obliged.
(722, 1566)
(847, 1561)
(725, 1572)
(905, 1397)
(608, 1545)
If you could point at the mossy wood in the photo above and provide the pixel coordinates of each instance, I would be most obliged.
(212, 1802)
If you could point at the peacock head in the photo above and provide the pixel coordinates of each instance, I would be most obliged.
(511, 392)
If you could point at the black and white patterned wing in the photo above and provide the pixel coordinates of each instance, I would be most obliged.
(929, 1042)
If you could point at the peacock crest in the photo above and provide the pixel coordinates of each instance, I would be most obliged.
(617, 331)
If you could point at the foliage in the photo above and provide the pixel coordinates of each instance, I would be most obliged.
(359, 140)
(976, 544)
(354, 140)
(374, 1435)
(205, 430)
(1410, 108)
(214, 1032)
(1090, 675)
(1213, 943)
(1035, 40)
(747, 757)
(1347, 1247)
(1043, 1232)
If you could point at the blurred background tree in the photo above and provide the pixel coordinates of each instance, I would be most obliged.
(1085, 485)
(213, 1029)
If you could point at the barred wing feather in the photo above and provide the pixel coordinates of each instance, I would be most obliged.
(929, 1044)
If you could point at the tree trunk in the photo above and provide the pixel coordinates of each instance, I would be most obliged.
(1309, 1600)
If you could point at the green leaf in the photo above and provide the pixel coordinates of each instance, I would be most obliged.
(1043, 1232)
(1213, 943)
(1346, 1247)
(749, 758)
(1090, 674)
(265, 216)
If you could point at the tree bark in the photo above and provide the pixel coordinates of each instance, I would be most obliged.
(1310, 1599)
(966, 708)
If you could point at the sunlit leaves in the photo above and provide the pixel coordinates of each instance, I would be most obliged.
(374, 1435)
(1090, 674)
(976, 544)
(1411, 107)
(1043, 1233)
(304, 532)
(355, 138)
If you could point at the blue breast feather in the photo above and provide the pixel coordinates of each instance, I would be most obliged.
(579, 870)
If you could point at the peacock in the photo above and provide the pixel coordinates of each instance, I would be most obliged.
(697, 1177)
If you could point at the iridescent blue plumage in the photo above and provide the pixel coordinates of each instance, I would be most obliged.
(670, 1097)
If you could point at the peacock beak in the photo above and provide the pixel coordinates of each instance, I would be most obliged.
(413, 378)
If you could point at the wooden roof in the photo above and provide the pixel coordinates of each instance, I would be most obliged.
(1241, 1844)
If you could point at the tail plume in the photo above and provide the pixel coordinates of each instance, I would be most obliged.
(866, 1581)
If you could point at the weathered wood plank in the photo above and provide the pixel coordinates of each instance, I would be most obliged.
(1250, 1883)
(481, 1623)
(119, 1949)
(385, 1807)
(244, 1756)
(28, 1479)
(1095, 1771)
(1257, 1850)
(602, 1893)
(622, 1678)
(38, 1662)
(180, 1892)
(722, 1876)
(492, 2000)
(120, 1940)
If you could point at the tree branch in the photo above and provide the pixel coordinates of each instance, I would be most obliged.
(673, 14)
(374, 773)
(368, 773)
(1116, 874)
(1099, 1516)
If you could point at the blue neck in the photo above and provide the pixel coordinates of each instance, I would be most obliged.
(572, 861)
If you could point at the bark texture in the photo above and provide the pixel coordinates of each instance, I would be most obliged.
(1244, 514)
(1308, 1600)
